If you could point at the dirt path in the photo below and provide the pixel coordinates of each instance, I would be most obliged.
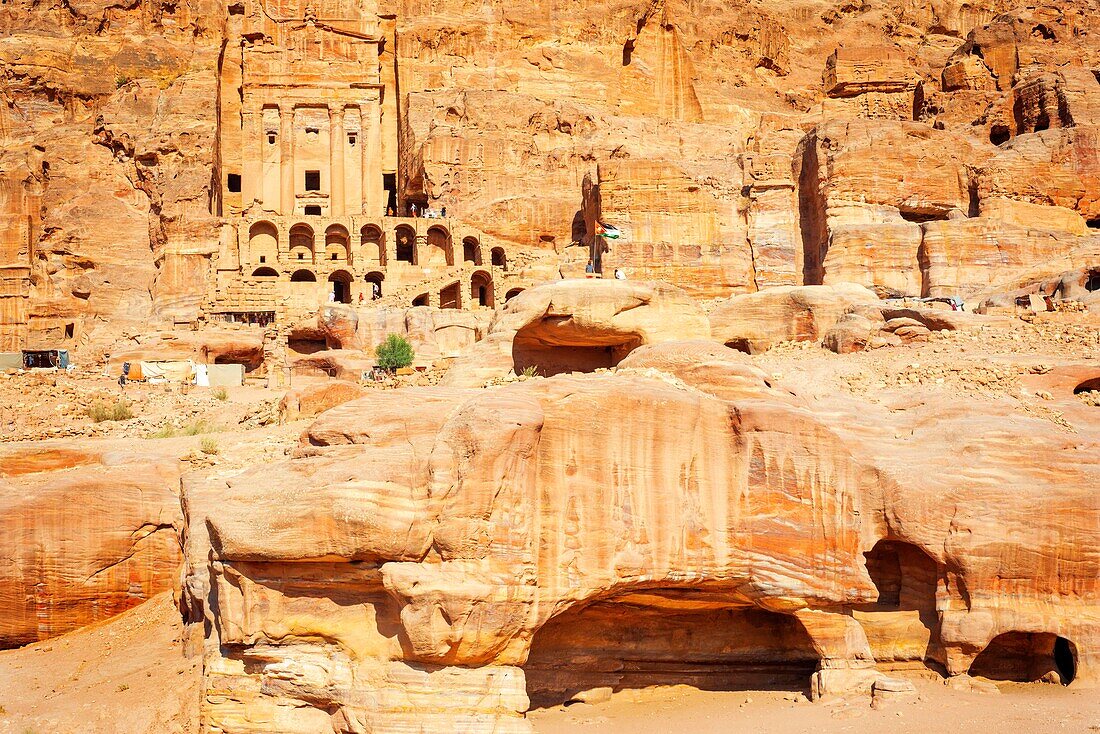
(1019, 709)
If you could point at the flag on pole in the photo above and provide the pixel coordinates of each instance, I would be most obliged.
(608, 231)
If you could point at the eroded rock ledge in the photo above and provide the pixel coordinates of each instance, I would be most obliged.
(442, 559)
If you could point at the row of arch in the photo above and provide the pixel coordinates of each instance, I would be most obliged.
(263, 239)
(481, 292)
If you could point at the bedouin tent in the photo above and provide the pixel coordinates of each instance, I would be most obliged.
(168, 371)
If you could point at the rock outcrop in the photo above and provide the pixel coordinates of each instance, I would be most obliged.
(579, 325)
(87, 531)
(501, 549)
(754, 322)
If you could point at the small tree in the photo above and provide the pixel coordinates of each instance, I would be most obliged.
(394, 353)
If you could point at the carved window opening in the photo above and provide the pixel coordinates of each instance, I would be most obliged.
(263, 259)
(351, 139)
(313, 181)
(271, 138)
(233, 183)
(313, 211)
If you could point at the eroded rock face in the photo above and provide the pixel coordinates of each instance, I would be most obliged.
(476, 543)
(579, 326)
(736, 147)
(754, 322)
(86, 531)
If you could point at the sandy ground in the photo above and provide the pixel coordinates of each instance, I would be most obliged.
(1019, 709)
(125, 675)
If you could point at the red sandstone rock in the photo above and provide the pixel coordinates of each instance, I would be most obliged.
(755, 322)
(507, 536)
(579, 325)
(316, 399)
(87, 531)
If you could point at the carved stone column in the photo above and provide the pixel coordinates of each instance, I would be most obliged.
(373, 203)
(336, 160)
(252, 187)
(286, 160)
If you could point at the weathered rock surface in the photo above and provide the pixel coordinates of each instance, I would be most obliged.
(925, 151)
(754, 322)
(578, 326)
(87, 530)
(316, 399)
(500, 546)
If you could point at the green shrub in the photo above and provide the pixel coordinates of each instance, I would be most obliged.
(220, 394)
(531, 370)
(209, 446)
(118, 411)
(121, 81)
(394, 353)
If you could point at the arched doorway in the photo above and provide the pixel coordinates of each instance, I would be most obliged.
(439, 247)
(373, 243)
(500, 260)
(658, 637)
(471, 251)
(421, 300)
(337, 244)
(451, 296)
(301, 243)
(265, 273)
(406, 244)
(902, 626)
(341, 286)
(481, 289)
(1025, 657)
(512, 293)
(303, 284)
(263, 243)
(374, 284)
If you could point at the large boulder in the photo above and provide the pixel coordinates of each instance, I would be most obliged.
(312, 400)
(755, 322)
(579, 326)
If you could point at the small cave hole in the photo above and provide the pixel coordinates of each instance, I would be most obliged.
(999, 134)
(922, 217)
(1041, 31)
(1090, 385)
(1026, 657)
(741, 345)
(628, 52)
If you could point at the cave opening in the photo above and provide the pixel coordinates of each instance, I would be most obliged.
(665, 637)
(1092, 281)
(555, 346)
(920, 217)
(741, 344)
(1026, 657)
(1087, 386)
(999, 134)
(902, 625)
